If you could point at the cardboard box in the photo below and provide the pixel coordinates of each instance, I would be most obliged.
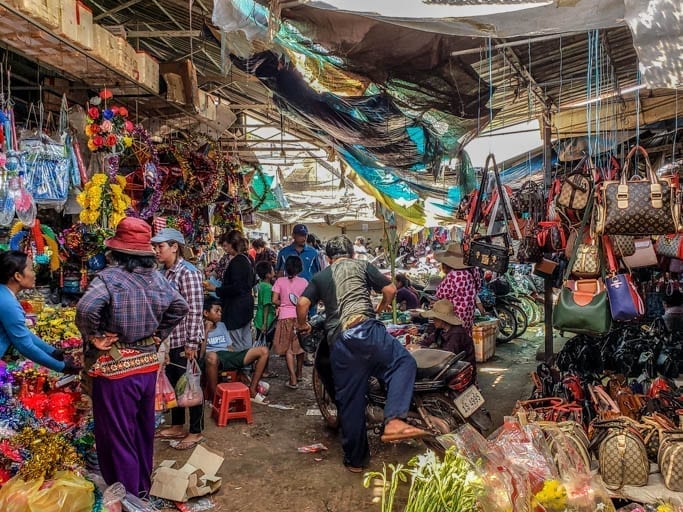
(85, 24)
(68, 22)
(148, 71)
(484, 336)
(207, 105)
(196, 478)
(105, 45)
(127, 59)
(45, 12)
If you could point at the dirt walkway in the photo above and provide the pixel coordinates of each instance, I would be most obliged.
(263, 471)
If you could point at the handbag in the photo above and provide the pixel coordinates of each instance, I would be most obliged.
(582, 307)
(638, 206)
(644, 256)
(587, 263)
(529, 250)
(624, 300)
(624, 245)
(551, 235)
(576, 188)
(623, 459)
(670, 459)
(670, 246)
(491, 251)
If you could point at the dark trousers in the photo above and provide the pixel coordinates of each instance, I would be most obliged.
(124, 429)
(174, 371)
(360, 352)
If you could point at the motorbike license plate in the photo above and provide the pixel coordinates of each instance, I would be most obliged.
(469, 401)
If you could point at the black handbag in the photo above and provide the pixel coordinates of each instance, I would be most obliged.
(491, 251)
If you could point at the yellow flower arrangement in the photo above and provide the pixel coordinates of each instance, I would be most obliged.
(103, 202)
(55, 324)
(552, 498)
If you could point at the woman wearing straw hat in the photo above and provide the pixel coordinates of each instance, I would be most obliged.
(449, 333)
(461, 284)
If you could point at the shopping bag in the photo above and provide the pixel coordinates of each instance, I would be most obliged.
(165, 394)
(188, 390)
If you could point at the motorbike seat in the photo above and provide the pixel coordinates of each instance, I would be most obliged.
(431, 362)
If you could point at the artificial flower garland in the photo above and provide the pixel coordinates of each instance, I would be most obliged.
(39, 236)
(103, 199)
(152, 181)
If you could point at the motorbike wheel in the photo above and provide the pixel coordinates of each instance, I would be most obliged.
(327, 406)
(508, 324)
(521, 317)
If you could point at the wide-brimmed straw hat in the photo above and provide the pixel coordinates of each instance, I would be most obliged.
(133, 236)
(443, 310)
(453, 256)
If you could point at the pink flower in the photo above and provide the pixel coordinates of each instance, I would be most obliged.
(115, 110)
(129, 126)
(106, 126)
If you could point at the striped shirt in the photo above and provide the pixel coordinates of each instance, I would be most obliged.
(187, 280)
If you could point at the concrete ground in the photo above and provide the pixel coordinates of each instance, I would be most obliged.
(263, 471)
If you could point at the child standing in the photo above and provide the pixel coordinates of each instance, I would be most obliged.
(286, 342)
(265, 309)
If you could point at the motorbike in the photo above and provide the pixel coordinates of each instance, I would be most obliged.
(445, 394)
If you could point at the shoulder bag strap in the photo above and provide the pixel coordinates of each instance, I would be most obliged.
(474, 217)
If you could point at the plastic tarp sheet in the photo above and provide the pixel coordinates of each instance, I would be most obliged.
(657, 28)
(499, 18)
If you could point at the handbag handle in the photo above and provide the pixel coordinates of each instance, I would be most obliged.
(612, 267)
(651, 176)
(474, 226)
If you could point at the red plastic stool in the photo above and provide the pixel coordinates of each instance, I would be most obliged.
(231, 394)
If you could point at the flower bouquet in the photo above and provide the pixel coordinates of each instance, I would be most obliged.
(103, 201)
(108, 128)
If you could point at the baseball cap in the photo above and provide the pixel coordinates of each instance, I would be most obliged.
(300, 229)
(168, 235)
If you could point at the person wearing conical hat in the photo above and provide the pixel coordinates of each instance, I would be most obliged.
(449, 333)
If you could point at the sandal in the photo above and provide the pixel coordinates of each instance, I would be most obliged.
(186, 445)
(160, 435)
(292, 386)
(271, 375)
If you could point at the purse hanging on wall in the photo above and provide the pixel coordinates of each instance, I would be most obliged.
(582, 307)
(493, 250)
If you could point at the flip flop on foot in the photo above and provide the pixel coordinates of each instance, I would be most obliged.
(354, 469)
(260, 399)
(186, 445)
(162, 434)
(292, 386)
(270, 375)
(408, 432)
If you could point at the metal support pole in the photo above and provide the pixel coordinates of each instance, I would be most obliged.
(548, 285)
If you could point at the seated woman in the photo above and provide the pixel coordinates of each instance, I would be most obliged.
(220, 354)
(449, 334)
(406, 298)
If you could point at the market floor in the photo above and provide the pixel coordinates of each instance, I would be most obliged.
(264, 472)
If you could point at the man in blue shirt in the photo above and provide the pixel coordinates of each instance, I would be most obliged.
(298, 247)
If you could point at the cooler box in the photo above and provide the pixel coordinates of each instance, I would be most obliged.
(484, 336)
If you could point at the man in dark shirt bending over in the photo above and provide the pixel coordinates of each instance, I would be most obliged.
(360, 347)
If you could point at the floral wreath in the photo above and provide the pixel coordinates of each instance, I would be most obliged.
(148, 174)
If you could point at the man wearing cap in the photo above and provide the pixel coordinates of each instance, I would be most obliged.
(461, 284)
(449, 334)
(299, 247)
(122, 316)
(187, 337)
